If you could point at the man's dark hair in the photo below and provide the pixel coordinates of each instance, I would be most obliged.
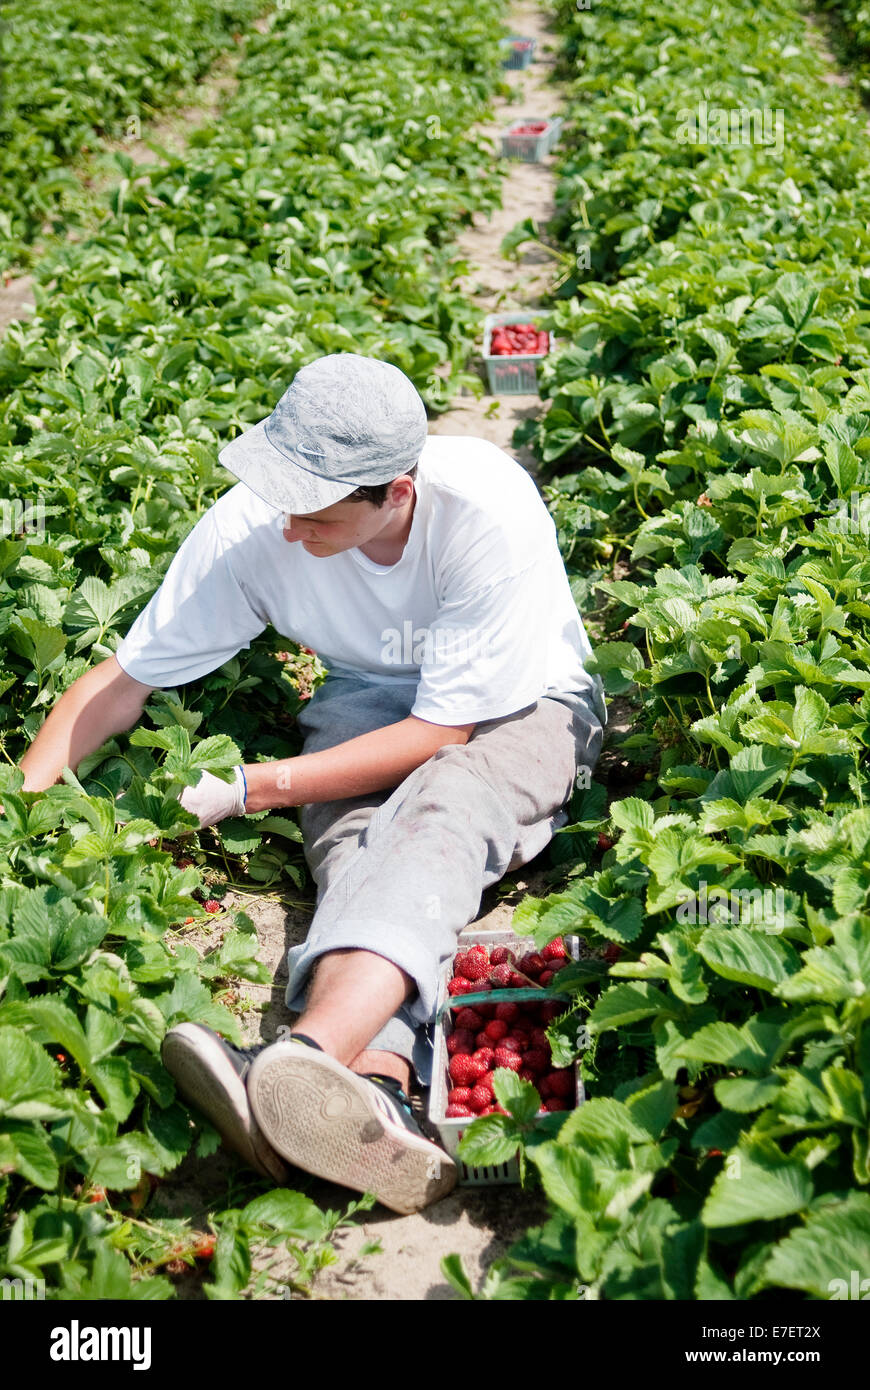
(377, 494)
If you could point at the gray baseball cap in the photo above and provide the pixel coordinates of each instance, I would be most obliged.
(344, 422)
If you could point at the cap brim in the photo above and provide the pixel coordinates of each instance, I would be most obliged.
(276, 478)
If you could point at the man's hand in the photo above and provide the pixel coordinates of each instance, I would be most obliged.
(213, 800)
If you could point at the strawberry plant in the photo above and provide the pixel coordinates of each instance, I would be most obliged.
(706, 442)
(74, 78)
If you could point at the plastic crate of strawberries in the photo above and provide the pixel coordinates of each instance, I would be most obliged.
(474, 1040)
(518, 51)
(531, 138)
(512, 349)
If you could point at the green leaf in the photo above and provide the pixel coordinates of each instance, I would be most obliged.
(820, 1256)
(517, 1096)
(758, 1183)
(626, 1004)
(748, 957)
(287, 1212)
(490, 1140)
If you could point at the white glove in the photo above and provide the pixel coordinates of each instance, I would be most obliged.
(213, 800)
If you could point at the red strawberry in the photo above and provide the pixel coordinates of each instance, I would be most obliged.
(501, 955)
(611, 953)
(518, 981)
(533, 964)
(545, 977)
(526, 1075)
(486, 1081)
(458, 1096)
(605, 842)
(458, 1112)
(512, 1060)
(561, 1083)
(501, 976)
(484, 1055)
(212, 905)
(539, 1039)
(537, 1060)
(460, 1040)
(204, 1248)
(480, 1098)
(496, 1030)
(460, 986)
(507, 1012)
(474, 967)
(554, 1103)
(478, 949)
(489, 1110)
(510, 1043)
(555, 950)
(482, 1039)
(470, 1019)
(465, 1070)
(550, 1009)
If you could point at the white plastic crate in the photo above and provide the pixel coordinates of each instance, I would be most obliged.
(531, 148)
(515, 56)
(515, 375)
(452, 1130)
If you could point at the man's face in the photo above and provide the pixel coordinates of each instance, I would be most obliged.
(346, 525)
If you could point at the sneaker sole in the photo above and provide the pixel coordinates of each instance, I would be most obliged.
(208, 1080)
(323, 1118)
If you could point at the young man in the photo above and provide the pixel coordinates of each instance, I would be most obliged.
(438, 753)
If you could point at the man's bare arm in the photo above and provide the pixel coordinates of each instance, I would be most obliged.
(369, 763)
(102, 702)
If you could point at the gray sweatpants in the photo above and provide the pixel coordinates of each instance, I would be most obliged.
(401, 872)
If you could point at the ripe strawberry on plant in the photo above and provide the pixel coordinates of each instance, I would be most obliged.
(204, 1248)
(212, 905)
(611, 953)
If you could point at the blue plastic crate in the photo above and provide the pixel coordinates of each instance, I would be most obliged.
(516, 56)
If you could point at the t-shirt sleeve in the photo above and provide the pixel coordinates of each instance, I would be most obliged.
(199, 618)
(485, 653)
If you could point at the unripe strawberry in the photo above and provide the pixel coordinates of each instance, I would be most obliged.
(460, 1040)
(511, 1060)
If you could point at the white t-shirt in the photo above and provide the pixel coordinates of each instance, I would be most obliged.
(477, 612)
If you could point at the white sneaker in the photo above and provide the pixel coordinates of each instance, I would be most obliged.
(346, 1128)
